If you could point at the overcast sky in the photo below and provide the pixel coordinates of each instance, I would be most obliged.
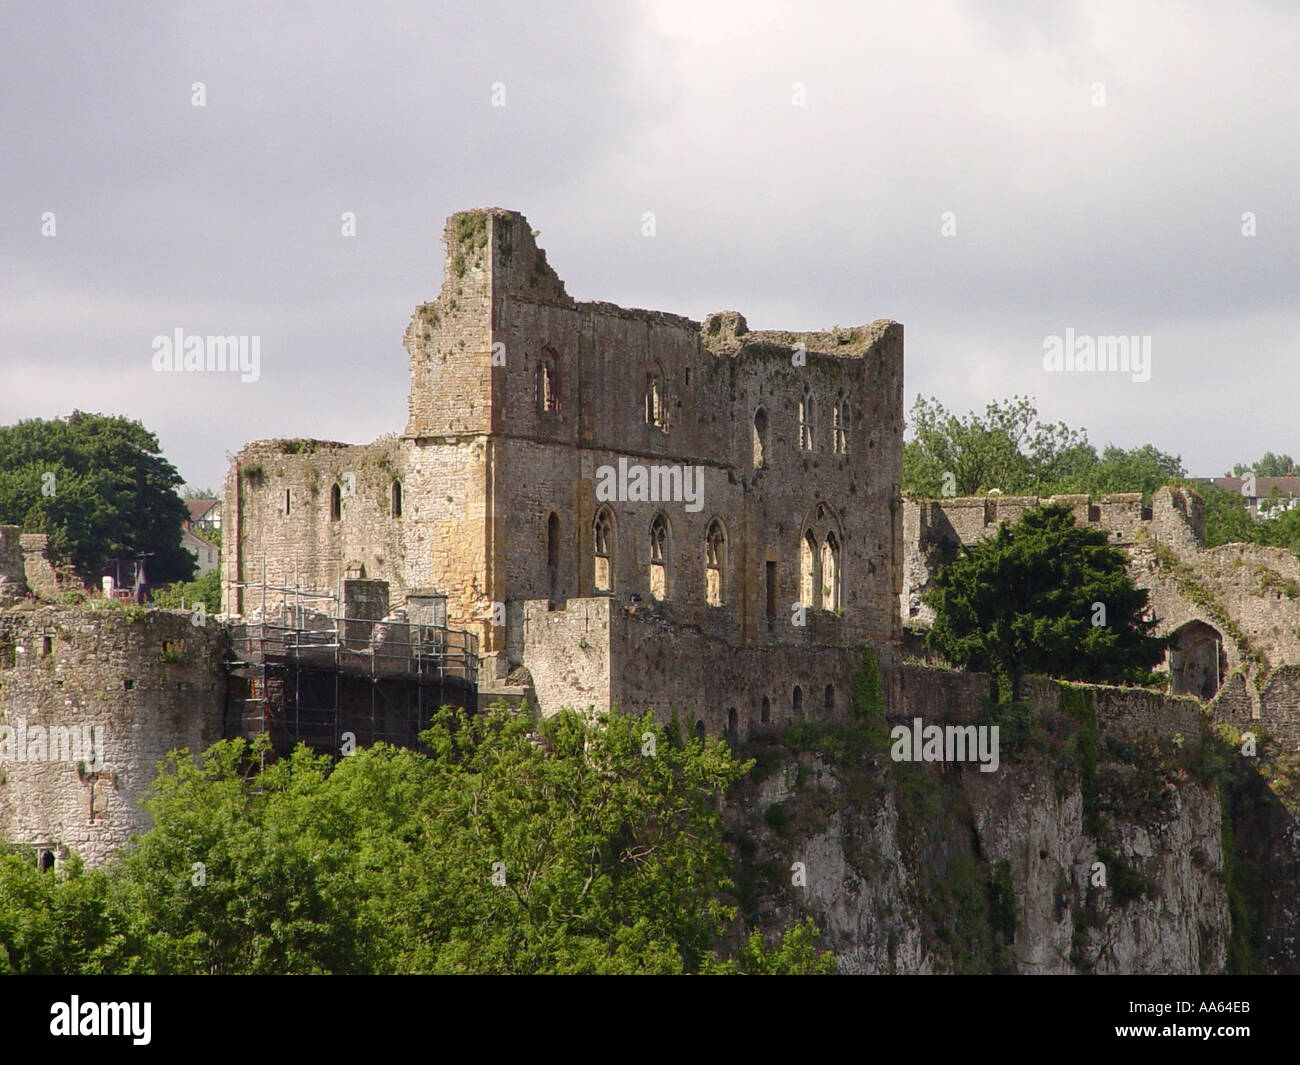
(1119, 219)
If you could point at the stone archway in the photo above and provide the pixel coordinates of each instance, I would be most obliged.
(1196, 660)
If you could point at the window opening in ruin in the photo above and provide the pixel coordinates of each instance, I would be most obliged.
(806, 420)
(336, 503)
(46, 861)
(829, 700)
(830, 578)
(659, 557)
(765, 710)
(760, 438)
(699, 731)
(548, 384)
(796, 701)
(771, 597)
(715, 554)
(655, 411)
(288, 507)
(840, 426)
(732, 725)
(603, 539)
(808, 577)
(395, 502)
(127, 683)
(47, 645)
(553, 558)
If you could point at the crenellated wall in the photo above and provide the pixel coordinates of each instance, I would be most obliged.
(148, 681)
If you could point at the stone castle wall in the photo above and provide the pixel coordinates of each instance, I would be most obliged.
(598, 653)
(151, 683)
(521, 397)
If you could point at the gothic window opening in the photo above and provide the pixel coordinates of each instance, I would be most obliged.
(656, 412)
(659, 557)
(715, 560)
(602, 544)
(548, 383)
(288, 503)
(806, 420)
(830, 578)
(808, 576)
(765, 710)
(840, 426)
(395, 500)
(760, 438)
(796, 702)
(829, 700)
(336, 503)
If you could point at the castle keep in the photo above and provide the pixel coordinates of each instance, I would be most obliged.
(623, 506)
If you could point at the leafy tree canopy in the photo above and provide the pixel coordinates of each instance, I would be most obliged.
(570, 849)
(99, 487)
(1043, 596)
(1269, 465)
(1009, 449)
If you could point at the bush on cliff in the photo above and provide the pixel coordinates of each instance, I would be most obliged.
(1043, 596)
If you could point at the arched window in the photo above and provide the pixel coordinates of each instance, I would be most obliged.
(840, 426)
(699, 731)
(830, 573)
(656, 408)
(760, 438)
(806, 420)
(765, 710)
(602, 530)
(548, 383)
(821, 572)
(336, 503)
(659, 557)
(796, 701)
(395, 502)
(715, 562)
(829, 701)
(808, 578)
(733, 726)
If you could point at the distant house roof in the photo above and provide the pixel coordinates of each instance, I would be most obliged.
(199, 507)
(1286, 486)
(195, 544)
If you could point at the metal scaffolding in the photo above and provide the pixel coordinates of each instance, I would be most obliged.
(308, 675)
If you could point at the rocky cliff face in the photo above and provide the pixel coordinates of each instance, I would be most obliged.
(1120, 833)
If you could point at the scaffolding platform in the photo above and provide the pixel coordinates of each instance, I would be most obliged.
(307, 677)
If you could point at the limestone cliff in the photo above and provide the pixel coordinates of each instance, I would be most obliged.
(1122, 832)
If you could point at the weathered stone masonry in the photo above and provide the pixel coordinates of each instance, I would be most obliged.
(520, 397)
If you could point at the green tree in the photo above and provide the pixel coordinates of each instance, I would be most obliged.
(99, 487)
(1006, 448)
(1268, 465)
(1027, 599)
(1141, 469)
(576, 846)
(205, 590)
